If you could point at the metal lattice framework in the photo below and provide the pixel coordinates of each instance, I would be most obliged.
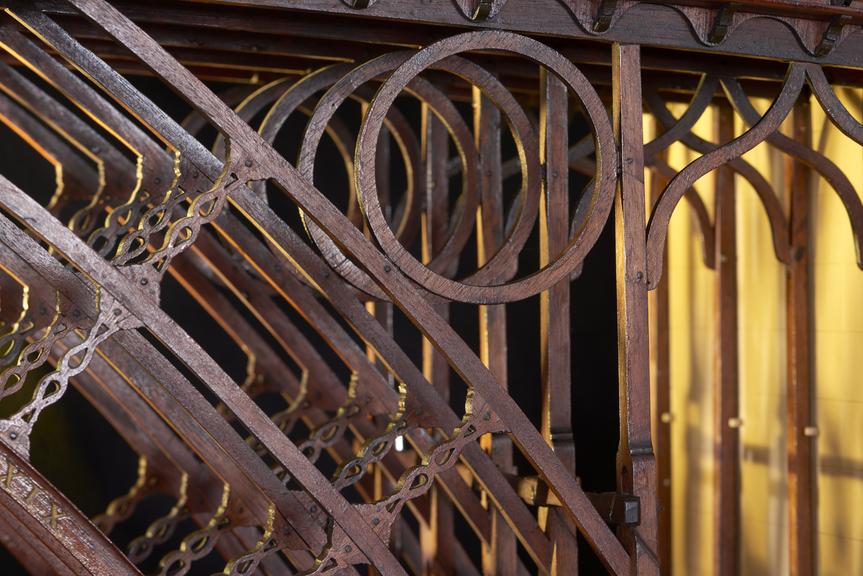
(141, 194)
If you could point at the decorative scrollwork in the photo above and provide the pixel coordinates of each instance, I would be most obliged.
(480, 10)
(199, 543)
(123, 507)
(416, 481)
(248, 562)
(485, 285)
(32, 355)
(161, 529)
(330, 433)
(658, 227)
(112, 318)
(713, 25)
(374, 450)
(390, 255)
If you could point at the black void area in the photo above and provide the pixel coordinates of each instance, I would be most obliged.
(593, 354)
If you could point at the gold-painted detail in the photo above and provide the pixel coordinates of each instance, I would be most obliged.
(30, 495)
(199, 543)
(123, 507)
(248, 562)
(161, 529)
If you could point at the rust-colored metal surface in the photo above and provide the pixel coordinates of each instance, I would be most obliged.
(360, 199)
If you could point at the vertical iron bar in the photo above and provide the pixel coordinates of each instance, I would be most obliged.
(555, 308)
(660, 358)
(501, 557)
(382, 311)
(726, 394)
(636, 465)
(801, 452)
(436, 541)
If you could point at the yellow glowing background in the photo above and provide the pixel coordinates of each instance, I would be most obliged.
(837, 376)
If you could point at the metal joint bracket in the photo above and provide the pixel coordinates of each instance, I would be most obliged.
(721, 24)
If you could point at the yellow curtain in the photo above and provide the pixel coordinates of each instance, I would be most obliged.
(838, 372)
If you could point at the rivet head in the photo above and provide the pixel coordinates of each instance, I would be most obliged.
(631, 512)
(248, 163)
(13, 435)
(349, 548)
(387, 268)
(144, 281)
